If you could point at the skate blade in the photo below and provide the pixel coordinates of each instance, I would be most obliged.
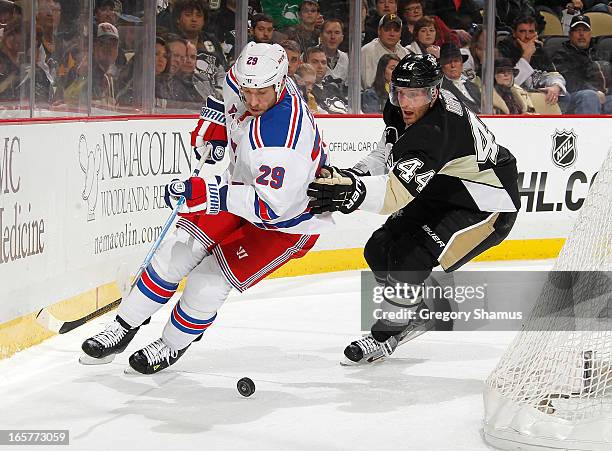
(129, 371)
(416, 332)
(85, 359)
(348, 362)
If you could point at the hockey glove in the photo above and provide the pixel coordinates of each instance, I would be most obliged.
(201, 195)
(336, 190)
(209, 139)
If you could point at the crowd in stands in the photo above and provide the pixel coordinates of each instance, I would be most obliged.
(195, 45)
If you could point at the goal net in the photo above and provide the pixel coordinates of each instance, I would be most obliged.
(552, 389)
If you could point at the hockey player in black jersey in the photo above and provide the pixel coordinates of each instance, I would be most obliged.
(450, 189)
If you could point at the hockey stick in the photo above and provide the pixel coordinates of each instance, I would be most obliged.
(46, 319)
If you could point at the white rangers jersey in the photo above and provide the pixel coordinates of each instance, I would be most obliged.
(274, 158)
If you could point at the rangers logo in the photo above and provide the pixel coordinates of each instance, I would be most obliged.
(218, 153)
(564, 148)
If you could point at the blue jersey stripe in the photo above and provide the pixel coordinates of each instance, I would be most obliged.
(286, 224)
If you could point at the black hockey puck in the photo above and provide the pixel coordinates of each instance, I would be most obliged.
(246, 387)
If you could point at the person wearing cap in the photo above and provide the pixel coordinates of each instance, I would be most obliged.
(451, 60)
(578, 62)
(389, 34)
(508, 97)
(105, 52)
(536, 71)
(383, 7)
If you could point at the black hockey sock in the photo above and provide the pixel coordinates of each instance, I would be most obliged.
(382, 331)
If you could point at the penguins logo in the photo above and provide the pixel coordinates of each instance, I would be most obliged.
(90, 165)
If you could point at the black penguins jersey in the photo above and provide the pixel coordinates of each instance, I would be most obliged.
(448, 156)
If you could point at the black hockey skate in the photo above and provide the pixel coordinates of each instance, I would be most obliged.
(104, 346)
(367, 349)
(155, 357)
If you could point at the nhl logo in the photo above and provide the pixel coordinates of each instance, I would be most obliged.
(564, 148)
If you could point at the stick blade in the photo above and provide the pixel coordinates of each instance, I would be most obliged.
(50, 322)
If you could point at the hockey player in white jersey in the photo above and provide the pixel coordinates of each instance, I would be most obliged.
(238, 227)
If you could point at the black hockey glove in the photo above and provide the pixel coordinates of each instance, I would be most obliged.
(336, 190)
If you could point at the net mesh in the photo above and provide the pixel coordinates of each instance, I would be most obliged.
(561, 362)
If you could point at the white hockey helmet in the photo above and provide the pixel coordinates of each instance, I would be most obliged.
(261, 65)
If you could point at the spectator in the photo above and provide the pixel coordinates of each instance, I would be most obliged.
(451, 60)
(364, 17)
(190, 18)
(161, 55)
(477, 51)
(383, 7)
(332, 35)
(389, 32)
(508, 97)
(509, 11)
(293, 55)
(8, 11)
(223, 21)
(162, 67)
(536, 71)
(330, 93)
(48, 16)
(373, 99)
(306, 33)
(170, 88)
(10, 49)
(411, 11)
(109, 11)
(196, 87)
(456, 14)
(577, 62)
(425, 34)
(306, 77)
(105, 11)
(105, 51)
(262, 28)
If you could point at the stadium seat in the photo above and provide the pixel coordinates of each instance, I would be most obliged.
(601, 23)
(553, 43)
(553, 24)
(604, 47)
(541, 107)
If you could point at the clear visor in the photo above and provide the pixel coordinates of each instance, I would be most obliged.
(412, 97)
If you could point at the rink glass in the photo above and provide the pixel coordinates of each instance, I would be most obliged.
(58, 37)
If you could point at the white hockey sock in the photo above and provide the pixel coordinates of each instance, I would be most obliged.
(183, 327)
(205, 291)
(147, 297)
(176, 257)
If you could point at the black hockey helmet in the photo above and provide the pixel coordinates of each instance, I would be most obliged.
(416, 71)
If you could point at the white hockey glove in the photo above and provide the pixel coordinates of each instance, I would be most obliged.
(202, 195)
(209, 139)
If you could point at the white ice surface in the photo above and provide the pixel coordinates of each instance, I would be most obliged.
(288, 336)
